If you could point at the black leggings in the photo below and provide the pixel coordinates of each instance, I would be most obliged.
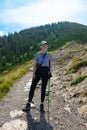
(41, 73)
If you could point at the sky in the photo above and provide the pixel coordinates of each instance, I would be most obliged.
(17, 15)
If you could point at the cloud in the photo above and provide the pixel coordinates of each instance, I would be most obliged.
(42, 12)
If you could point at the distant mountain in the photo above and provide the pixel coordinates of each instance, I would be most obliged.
(20, 47)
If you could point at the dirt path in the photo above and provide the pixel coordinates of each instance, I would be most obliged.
(63, 113)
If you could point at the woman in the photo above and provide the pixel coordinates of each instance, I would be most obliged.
(42, 70)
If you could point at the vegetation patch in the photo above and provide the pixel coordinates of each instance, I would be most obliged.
(78, 80)
(67, 44)
(4, 89)
(1, 80)
(75, 67)
(76, 58)
(13, 76)
(85, 93)
(85, 49)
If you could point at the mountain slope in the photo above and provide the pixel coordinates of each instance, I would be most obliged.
(20, 47)
(72, 75)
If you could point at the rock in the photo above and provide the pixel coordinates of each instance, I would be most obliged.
(16, 113)
(83, 109)
(15, 125)
(67, 108)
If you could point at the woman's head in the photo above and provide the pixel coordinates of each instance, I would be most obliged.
(44, 46)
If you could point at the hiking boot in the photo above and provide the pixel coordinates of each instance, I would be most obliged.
(27, 108)
(42, 108)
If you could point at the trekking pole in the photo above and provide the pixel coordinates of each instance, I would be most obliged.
(48, 99)
(48, 95)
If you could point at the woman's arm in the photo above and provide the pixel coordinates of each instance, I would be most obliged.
(34, 69)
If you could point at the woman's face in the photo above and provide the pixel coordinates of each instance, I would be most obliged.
(44, 47)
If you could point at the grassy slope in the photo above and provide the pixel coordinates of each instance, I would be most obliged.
(7, 80)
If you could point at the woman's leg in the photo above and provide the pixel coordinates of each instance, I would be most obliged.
(43, 89)
(33, 86)
(44, 83)
(31, 93)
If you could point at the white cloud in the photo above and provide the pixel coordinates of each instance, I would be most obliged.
(46, 11)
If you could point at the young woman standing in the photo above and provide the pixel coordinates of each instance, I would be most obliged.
(42, 70)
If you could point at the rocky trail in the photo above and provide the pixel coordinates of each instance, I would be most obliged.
(68, 107)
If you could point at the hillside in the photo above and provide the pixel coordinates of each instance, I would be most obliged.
(20, 47)
(68, 108)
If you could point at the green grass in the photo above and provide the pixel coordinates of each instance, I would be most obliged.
(4, 89)
(7, 80)
(78, 80)
(1, 80)
(67, 44)
(76, 66)
(85, 93)
(85, 49)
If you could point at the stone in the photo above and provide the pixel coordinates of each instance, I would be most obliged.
(15, 125)
(16, 113)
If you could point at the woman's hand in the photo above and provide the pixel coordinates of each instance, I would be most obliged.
(49, 75)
